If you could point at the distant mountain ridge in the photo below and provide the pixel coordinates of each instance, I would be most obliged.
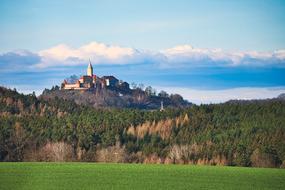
(240, 101)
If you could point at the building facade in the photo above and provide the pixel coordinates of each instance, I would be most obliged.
(91, 81)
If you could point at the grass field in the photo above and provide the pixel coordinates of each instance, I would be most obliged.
(38, 176)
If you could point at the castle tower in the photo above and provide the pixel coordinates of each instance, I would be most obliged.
(90, 69)
(161, 106)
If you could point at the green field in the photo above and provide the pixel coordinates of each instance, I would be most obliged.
(135, 176)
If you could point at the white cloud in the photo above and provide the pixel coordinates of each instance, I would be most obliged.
(280, 54)
(62, 51)
(111, 52)
(188, 54)
(176, 57)
(217, 96)
(97, 52)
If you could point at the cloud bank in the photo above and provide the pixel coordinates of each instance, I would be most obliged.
(102, 54)
(199, 74)
(186, 54)
(20, 59)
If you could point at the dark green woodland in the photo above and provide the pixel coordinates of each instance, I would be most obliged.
(235, 133)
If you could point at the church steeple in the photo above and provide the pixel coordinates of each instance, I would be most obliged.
(90, 69)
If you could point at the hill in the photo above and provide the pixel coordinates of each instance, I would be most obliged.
(236, 134)
(118, 97)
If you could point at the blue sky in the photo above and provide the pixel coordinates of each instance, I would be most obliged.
(229, 44)
(149, 24)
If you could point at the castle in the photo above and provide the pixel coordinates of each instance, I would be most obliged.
(91, 81)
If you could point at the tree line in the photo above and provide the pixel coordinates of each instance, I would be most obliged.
(232, 133)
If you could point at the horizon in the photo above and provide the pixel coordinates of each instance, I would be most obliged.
(209, 52)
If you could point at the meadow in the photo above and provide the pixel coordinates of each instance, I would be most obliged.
(29, 175)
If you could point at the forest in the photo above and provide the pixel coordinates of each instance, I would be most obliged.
(235, 133)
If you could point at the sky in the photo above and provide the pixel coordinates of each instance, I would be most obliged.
(208, 51)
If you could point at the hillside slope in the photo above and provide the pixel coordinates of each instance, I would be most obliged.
(232, 133)
(117, 98)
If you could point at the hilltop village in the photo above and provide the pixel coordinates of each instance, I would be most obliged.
(110, 92)
(92, 81)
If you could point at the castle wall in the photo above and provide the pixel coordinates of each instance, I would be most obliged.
(72, 86)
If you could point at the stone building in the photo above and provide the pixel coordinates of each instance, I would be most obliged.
(92, 81)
